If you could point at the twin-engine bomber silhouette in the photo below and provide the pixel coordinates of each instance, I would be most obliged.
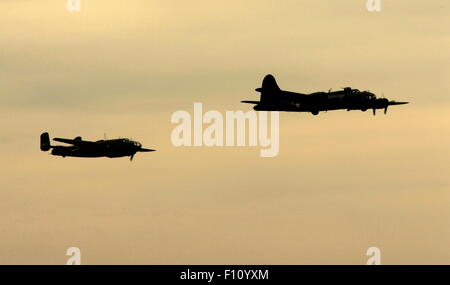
(275, 99)
(102, 148)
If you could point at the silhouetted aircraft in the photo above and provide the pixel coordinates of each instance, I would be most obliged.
(275, 99)
(102, 148)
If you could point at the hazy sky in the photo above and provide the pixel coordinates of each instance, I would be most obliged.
(342, 181)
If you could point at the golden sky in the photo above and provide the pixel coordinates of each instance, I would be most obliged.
(342, 181)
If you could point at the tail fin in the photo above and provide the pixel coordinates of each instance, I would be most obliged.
(269, 89)
(45, 142)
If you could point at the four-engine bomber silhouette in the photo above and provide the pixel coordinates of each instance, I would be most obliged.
(102, 148)
(275, 99)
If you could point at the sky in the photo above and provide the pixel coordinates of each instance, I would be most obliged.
(341, 183)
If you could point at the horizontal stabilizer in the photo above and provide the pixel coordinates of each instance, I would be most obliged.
(77, 141)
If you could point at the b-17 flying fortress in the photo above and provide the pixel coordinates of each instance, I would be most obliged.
(275, 99)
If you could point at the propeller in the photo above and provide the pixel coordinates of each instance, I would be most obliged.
(385, 103)
(381, 103)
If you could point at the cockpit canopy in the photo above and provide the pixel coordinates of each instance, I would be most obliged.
(347, 89)
(368, 95)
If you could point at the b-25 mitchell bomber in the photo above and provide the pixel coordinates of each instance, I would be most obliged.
(101, 148)
(275, 99)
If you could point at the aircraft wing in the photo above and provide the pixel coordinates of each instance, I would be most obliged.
(76, 142)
